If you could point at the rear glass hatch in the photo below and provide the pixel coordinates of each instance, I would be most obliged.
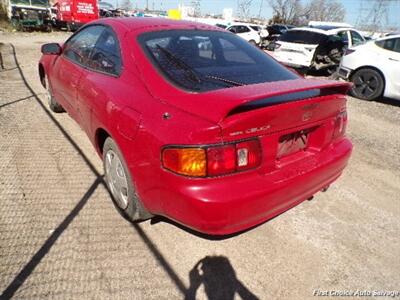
(205, 60)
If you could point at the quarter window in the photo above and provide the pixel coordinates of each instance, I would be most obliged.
(106, 55)
(80, 46)
(390, 44)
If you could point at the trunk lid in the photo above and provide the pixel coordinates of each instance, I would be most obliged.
(227, 104)
(296, 54)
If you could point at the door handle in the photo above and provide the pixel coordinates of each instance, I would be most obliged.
(393, 59)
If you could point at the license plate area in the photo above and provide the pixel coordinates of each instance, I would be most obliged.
(292, 143)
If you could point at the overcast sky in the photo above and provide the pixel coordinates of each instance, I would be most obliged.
(353, 7)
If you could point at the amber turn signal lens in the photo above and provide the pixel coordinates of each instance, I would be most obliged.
(185, 161)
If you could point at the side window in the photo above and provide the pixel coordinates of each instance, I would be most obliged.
(232, 54)
(243, 29)
(106, 56)
(79, 47)
(205, 47)
(396, 47)
(356, 38)
(233, 29)
(344, 37)
(390, 44)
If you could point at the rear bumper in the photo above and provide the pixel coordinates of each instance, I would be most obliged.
(234, 203)
(287, 61)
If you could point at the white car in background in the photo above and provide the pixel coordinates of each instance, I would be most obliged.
(374, 68)
(249, 32)
(315, 48)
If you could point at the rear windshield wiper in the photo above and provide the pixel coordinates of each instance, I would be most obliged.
(180, 64)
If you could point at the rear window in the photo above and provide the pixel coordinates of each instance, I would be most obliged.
(303, 37)
(201, 61)
(390, 44)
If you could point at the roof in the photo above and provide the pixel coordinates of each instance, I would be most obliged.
(321, 31)
(138, 23)
(388, 37)
(243, 24)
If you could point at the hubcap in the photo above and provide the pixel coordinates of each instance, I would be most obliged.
(116, 179)
(366, 84)
(47, 86)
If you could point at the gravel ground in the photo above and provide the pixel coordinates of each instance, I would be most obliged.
(61, 237)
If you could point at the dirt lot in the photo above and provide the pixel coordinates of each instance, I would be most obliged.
(60, 236)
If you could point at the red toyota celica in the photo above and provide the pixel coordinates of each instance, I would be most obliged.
(195, 124)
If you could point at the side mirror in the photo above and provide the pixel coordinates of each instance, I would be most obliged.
(233, 30)
(51, 49)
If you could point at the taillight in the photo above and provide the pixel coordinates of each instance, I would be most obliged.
(185, 161)
(340, 125)
(209, 161)
(221, 160)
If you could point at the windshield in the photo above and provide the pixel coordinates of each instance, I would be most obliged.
(303, 37)
(208, 60)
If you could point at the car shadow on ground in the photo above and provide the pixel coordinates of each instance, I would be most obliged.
(384, 100)
(389, 101)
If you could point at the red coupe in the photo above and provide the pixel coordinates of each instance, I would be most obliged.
(195, 124)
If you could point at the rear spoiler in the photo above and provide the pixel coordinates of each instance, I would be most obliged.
(290, 91)
(217, 105)
(288, 97)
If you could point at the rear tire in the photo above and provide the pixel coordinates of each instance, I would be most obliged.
(121, 185)
(53, 104)
(368, 84)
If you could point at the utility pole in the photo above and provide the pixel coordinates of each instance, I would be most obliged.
(261, 6)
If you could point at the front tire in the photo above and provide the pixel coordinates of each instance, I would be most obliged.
(368, 84)
(121, 185)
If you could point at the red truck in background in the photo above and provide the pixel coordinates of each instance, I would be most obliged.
(71, 14)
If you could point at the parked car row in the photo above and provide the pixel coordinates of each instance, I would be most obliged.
(373, 66)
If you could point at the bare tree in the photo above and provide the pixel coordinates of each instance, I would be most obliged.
(126, 5)
(244, 8)
(286, 11)
(324, 10)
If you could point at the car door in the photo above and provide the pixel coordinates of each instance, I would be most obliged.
(392, 65)
(104, 69)
(68, 68)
